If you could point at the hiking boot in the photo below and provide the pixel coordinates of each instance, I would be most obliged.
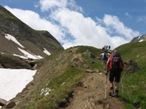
(111, 93)
(116, 94)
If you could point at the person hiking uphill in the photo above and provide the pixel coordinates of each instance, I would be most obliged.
(115, 66)
(104, 57)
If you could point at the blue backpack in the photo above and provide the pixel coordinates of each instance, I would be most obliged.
(105, 56)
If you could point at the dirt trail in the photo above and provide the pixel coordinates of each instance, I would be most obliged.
(91, 93)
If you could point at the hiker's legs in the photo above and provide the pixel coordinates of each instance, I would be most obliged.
(117, 81)
(111, 84)
(111, 91)
(116, 93)
(114, 78)
(111, 79)
(104, 64)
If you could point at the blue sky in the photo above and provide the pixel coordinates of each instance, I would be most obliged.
(83, 22)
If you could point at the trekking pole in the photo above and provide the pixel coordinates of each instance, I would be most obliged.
(105, 90)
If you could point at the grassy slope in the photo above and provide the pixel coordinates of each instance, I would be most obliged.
(58, 75)
(134, 84)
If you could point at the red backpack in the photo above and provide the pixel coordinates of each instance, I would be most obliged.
(115, 61)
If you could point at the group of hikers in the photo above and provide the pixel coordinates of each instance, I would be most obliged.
(113, 66)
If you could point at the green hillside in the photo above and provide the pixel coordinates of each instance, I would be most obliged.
(133, 85)
(61, 72)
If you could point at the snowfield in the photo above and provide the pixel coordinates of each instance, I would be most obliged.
(13, 81)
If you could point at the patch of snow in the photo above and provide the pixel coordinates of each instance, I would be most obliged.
(45, 91)
(62, 83)
(13, 81)
(23, 57)
(12, 38)
(139, 37)
(46, 51)
(141, 40)
(28, 55)
(39, 57)
(2, 53)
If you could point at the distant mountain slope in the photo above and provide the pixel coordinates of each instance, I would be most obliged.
(139, 38)
(16, 38)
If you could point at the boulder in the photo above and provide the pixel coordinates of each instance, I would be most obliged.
(7, 104)
(10, 104)
(2, 102)
(131, 66)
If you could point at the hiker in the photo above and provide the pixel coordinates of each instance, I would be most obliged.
(115, 66)
(104, 57)
(109, 47)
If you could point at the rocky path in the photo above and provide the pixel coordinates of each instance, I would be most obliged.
(90, 94)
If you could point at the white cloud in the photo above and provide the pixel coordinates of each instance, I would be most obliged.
(49, 4)
(73, 28)
(83, 29)
(114, 23)
(46, 5)
(117, 41)
(128, 15)
(141, 19)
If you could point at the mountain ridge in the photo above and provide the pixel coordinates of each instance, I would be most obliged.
(35, 41)
(139, 38)
(18, 40)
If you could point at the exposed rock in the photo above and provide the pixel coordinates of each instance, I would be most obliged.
(10, 104)
(73, 50)
(6, 104)
(88, 53)
(1, 66)
(92, 71)
(131, 66)
(2, 102)
(77, 60)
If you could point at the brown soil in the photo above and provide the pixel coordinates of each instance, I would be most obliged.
(91, 94)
